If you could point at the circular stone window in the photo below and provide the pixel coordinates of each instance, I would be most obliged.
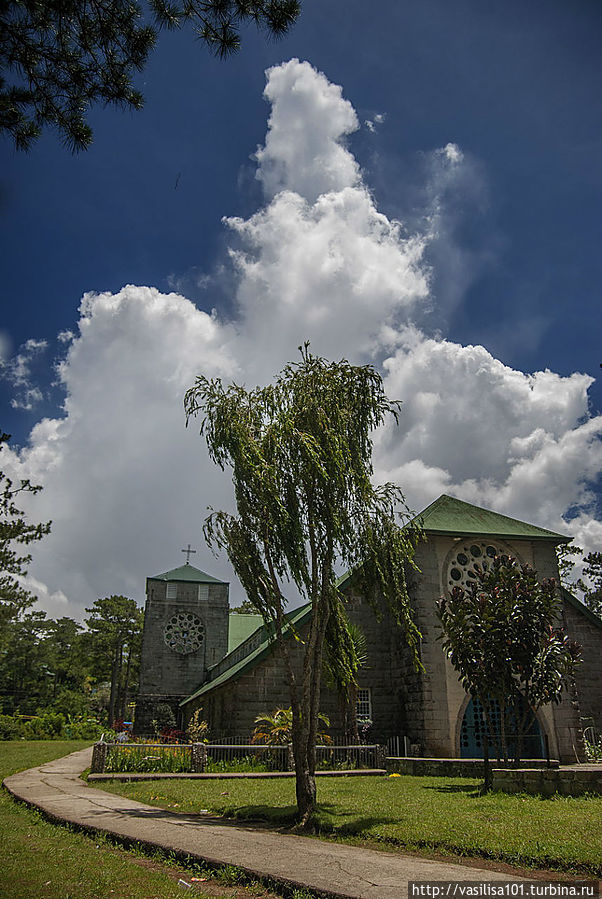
(184, 633)
(461, 569)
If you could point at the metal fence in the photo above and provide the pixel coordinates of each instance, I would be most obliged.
(225, 757)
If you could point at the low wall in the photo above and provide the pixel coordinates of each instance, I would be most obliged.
(565, 781)
(419, 767)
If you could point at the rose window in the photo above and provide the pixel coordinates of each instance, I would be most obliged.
(461, 570)
(184, 633)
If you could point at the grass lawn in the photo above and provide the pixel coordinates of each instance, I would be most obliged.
(425, 814)
(46, 860)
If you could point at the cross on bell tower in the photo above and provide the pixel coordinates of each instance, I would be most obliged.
(188, 552)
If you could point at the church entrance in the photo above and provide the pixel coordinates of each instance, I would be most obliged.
(473, 729)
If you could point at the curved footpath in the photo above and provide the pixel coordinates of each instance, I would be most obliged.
(331, 868)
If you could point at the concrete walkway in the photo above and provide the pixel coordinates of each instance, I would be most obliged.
(333, 869)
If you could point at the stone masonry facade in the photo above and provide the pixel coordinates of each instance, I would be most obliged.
(426, 707)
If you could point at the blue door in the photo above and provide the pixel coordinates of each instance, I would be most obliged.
(473, 728)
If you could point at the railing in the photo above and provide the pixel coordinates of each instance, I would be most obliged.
(224, 757)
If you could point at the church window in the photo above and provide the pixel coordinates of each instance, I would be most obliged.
(465, 561)
(203, 594)
(172, 591)
(364, 704)
(184, 633)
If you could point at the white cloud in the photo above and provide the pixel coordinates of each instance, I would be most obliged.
(127, 485)
(523, 444)
(17, 371)
(303, 148)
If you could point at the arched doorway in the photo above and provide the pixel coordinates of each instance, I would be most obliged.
(473, 729)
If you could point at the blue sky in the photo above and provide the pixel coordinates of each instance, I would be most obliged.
(477, 127)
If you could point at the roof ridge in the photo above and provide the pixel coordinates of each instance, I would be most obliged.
(448, 514)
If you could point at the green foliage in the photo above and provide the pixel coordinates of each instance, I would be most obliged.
(48, 726)
(593, 748)
(127, 757)
(113, 639)
(164, 718)
(59, 57)
(590, 583)
(300, 451)
(565, 556)
(245, 608)
(501, 635)
(15, 533)
(197, 730)
(245, 764)
(277, 729)
(11, 728)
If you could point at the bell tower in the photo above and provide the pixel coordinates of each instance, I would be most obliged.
(185, 633)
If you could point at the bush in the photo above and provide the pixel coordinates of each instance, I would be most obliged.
(198, 729)
(130, 757)
(242, 765)
(11, 728)
(164, 719)
(86, 729)
(48, 726)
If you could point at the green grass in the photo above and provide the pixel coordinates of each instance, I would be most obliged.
(42, 859)
(424, 814)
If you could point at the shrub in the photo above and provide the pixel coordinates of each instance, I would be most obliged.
(164, 719)
(11, 728)
(132, 758)
(198, 730)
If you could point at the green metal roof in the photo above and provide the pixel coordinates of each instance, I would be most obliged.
(240, 627)
(296, 619)
(186, 573)
(448, 515)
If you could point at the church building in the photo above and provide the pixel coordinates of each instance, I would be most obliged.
(196, 653)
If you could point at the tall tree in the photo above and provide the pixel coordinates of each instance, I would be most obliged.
(114, 626)
(300, 451)
(501, 635)
(15, 533)
(590, 583)
(58, 57)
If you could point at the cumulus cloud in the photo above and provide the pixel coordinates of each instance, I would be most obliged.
(127, 485)
(523, 444)
(304, 149)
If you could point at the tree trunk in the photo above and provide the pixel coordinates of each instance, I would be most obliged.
(114, 678)
(486, 765)
(126, 685)
(486, 731)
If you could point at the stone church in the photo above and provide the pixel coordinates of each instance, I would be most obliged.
(197, 653)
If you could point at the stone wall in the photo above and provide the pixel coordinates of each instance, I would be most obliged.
(231, 709)
(165, 674)
(583, 627)
(568, 781)
(446, 767)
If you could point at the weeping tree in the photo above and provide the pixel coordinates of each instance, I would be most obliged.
(341, 668)
(300, 452)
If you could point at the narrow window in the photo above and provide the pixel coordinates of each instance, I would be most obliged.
(364, 704)
(172, 591)
(203, 592)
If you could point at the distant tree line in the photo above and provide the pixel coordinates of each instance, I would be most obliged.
(59, 665)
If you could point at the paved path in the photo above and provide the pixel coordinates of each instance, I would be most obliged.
(334, 869)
